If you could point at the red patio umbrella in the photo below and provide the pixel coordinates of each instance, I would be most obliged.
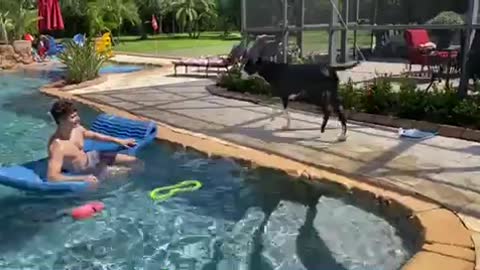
(50, 16)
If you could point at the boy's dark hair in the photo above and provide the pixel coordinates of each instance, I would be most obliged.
(62, 108)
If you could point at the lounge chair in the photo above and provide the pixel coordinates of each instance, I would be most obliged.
(219, 62)
(421, 50)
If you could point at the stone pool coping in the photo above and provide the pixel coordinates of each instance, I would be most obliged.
(383, 120)
(446, 242)
(63, 86)
(139, 59)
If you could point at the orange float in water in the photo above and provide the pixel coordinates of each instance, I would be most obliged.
(87, 210)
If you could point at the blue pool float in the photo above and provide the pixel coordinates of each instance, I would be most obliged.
(416, 134)
(32, 176)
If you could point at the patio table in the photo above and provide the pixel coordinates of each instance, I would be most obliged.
(442, 62)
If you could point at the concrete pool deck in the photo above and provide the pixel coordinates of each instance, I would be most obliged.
(442, 169)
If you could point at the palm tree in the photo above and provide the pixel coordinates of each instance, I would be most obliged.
(110, 15)
(190, 13)
(121, 11)
(150, 6)
(229, 15)
(186, 13)
(21, 14)
(26, 22)
(74, 8)
(156, 7)
(6, 24)
(207, 18)
(96, 23)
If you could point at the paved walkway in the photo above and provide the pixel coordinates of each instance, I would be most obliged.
(445, 169)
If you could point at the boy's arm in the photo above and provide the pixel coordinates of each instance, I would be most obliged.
(88, 134)
(55, 162)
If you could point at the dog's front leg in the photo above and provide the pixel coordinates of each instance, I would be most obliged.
(286, 114)
(274, 113)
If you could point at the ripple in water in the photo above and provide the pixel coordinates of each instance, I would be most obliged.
(240, 219)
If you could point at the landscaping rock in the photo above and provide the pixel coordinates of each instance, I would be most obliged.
(23, 49)
(7, 57)
(18, 53)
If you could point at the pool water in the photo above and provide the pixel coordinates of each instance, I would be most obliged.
(119, 68)
(241, 219)
(58, 71)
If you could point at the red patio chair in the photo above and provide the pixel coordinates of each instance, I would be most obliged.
(421, 52)
(418, 50)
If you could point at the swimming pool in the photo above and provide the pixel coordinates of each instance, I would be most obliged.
(119, 68)
(58, 71)
(241, 219)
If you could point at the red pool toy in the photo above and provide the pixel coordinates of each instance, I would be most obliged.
(28, 37)
(87, 210)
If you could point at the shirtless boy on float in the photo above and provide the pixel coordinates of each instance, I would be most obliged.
(65, 148)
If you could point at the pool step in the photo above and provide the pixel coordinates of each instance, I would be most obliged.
(238, 246)
(279, 239)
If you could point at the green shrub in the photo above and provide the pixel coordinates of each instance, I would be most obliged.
(467, 113)
(6, 25)
(233, 81)
(444, 36)
(83, 62)
(439, 106)
(351, 96)
(378, 98)
(410, 103)
(447, 17)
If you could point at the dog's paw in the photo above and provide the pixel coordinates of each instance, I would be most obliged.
(342, 138)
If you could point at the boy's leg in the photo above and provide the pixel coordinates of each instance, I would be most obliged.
(117, 159)
(122, 160)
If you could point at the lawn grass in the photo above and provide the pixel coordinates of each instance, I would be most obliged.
(317, 41)
(212, 43)
(179, 45)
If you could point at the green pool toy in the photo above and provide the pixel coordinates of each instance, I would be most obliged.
(188, 185)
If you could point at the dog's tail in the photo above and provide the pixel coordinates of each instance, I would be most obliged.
(333, 73)
(345, 67)
(333, 69)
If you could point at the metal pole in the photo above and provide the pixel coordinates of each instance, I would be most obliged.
(285, 31)
(357, 18)
(374, 22)
(344, 36)
(301, 24)
(332, 37)
(243, 16)
(470, 32)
